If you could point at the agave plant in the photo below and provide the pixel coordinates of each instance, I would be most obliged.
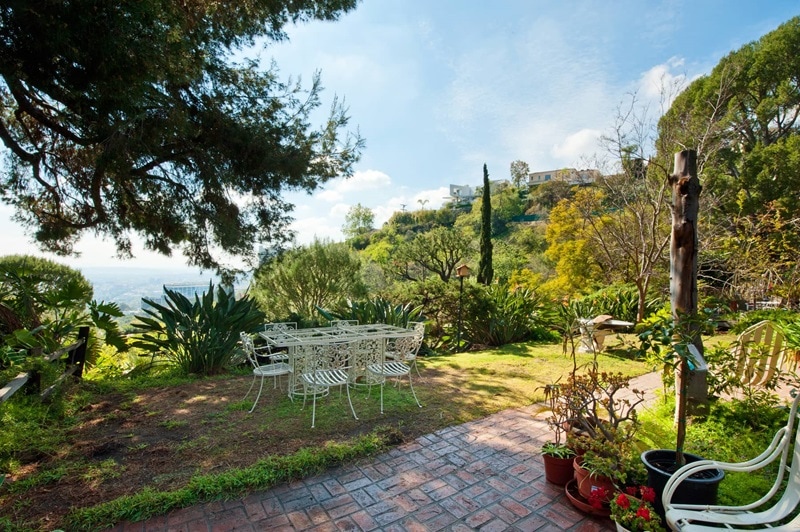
(197, 337)
(377, 310)
(503, 315)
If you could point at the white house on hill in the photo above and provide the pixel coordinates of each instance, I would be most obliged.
(569, 175)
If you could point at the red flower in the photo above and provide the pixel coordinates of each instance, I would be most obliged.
(623, 501)
(631, 490)
(648, 494)
(598, 497)
(643, 512)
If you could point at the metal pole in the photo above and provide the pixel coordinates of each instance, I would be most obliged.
(460, 298)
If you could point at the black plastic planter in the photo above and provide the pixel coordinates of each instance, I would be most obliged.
(700, 488)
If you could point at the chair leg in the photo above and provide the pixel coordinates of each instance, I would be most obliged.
(353, 410)
(313, 410)
(251, 388)
(261, 387)
(411, 385)
(382, 384)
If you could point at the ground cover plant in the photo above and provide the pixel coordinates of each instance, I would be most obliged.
(172, 441)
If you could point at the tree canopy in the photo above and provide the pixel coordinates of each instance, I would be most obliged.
(131, 117)
(742, 119)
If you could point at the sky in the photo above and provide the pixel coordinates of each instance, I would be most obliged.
(438, 88)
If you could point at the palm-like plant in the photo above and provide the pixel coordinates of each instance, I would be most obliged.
(197, 337)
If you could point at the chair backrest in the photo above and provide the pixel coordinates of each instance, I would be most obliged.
(343, 323)
(281, 326)
(760, 350)
(407, 346)
(279, 331)
(790, 499)
(249, 348)
(323, 356)
(418, 326)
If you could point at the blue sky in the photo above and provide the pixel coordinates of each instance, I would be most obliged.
(439, 87)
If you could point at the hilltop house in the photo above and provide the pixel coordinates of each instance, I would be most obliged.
(569, 175)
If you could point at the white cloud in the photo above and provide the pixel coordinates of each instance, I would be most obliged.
(331, 196)
(662, 83)
(577, 145)
(364, 180)
(307, 229)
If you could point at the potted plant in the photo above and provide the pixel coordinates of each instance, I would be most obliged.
(556, 455)
(605, 463)
(700, 488)
(632, 510)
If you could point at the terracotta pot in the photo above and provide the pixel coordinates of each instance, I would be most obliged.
(582, 504)
(558, 470)
(588, 484)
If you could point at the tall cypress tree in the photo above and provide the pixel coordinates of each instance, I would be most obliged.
(485, 272)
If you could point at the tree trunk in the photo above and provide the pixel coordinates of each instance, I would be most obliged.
(683, 274)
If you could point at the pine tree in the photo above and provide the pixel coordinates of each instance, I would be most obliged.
(485, 272)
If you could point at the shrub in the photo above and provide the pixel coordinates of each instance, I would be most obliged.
(746, 319)
(500, 315)
(197, 337)
(377, 310)
(620, 301)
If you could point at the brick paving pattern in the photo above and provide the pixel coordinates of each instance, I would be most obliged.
(483, 475)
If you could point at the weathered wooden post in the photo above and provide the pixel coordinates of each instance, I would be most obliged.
(691, 387)
(78, 356)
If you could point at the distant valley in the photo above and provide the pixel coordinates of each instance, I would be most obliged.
(127, 286)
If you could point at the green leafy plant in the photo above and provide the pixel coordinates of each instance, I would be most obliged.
(376, 310)
(197, 337)
(558, 450)
(503, 315)
(614, 458)
(621, 302)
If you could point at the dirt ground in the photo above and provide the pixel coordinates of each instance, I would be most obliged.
(162, 437)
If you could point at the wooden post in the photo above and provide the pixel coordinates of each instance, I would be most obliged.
(35, 378)
(691, 387)
(78, 356)
(683, 245)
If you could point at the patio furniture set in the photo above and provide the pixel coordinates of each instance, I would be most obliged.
(344, 355)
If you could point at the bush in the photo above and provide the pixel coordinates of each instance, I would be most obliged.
(620, 301)
(197, 337)
(499, 315)
(746, 319)
(377, 310)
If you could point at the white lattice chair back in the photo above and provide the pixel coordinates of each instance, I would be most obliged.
(761, 350)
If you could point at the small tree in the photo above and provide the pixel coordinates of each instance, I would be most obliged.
(359, 220)
(485, 272)
(319, 275)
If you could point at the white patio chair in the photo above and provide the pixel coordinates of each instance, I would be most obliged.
(276, 328)
(760, 351)
(404, 349)
(271, 369)
(393, 369)
(325, 366)
(754, 516)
